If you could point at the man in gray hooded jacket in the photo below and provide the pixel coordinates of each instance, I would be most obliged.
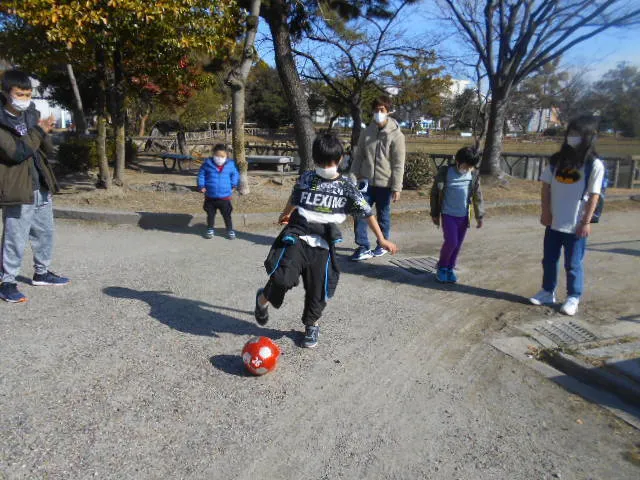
(378, 166)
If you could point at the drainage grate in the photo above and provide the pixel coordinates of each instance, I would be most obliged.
(566, 333)
(417, 265)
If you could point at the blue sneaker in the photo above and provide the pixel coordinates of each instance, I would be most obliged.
(231, 235)
(9, 293)
(48, 278)
(451, 276)
(361, 253)
(379, 251)
(442, 275)
(210, 233)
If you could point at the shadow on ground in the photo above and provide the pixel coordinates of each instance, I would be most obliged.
(196, 317)
(396, 274)
(231, 364)
(597, 247)
(182, 223)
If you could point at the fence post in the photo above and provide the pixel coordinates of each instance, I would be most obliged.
(616, 173)
(540, 163)
(526, 168)
(634, 166)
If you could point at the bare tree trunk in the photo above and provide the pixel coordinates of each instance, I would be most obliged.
(290, 79)
(495, 133)
(104, 180)
(78, 112)
(118, 116)
(540, 112)
(356, 130)
(143, 121)
(237, 80)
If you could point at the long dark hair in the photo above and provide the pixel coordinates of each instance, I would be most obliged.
(576, 157)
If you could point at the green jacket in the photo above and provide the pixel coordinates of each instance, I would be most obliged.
(439, 190)
(18, 155)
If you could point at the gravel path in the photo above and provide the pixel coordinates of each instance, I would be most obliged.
(133, 370)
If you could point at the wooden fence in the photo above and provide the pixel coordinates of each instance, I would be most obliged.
(623, 171)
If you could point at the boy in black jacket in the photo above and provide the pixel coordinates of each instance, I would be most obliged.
(320, 200)
(26, 186)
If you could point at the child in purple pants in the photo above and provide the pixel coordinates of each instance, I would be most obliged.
(455, 188)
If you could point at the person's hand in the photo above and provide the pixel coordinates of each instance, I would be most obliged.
(583, 230)
(203, 190)
(47, 124)
(479, 223)
(283, 219)
(386, 244)
(436, 221)
(546, 219)
(395, 196)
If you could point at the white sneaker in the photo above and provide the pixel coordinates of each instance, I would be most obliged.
(543, 298)
(570, 306)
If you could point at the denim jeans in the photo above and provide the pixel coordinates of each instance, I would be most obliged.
(381, 198)
(24, 223)
(574, 248)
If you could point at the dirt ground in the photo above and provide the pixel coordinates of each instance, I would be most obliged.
(133, 370)
(269, 192)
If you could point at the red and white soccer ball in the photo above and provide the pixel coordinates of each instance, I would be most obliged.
(260, 355)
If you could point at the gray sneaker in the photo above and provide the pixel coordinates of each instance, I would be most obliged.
(311, 334)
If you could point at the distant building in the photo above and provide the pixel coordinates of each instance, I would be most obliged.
(458, 86)
(543, 119)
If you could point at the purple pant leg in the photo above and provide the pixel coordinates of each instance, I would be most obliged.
(454, 230)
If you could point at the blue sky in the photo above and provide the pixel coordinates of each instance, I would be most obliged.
(591, 58)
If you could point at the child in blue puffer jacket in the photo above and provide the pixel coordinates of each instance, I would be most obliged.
(217, 178)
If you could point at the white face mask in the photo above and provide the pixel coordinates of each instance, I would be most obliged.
(219, 161)
(20, 105)
(379, 117)
(327, 173)
(574, 141)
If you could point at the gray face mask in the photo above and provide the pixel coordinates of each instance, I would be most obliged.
(20, 105)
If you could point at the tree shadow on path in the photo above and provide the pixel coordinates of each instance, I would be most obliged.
(182, 223)
(396, 274)
(196, 317)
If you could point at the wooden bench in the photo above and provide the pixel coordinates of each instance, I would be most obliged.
(283, 163)
(184, 163)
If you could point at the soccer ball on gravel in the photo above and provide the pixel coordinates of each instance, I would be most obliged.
(260, 355)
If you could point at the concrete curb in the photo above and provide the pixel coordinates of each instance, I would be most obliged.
(625, 388)
(186, 220)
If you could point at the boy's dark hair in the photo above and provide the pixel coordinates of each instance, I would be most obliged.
(220, 147)
(15, 79)
(382, 101)
(327, 149)
(569, 157)
(468, 156)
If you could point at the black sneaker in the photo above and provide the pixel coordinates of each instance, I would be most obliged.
(9, 293)
(48, 278)
(261, 313)
(311, 333)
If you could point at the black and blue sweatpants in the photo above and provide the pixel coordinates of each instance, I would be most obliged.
(310, 263)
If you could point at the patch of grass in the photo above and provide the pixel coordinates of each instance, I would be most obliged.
(633, 455)
(606, 146)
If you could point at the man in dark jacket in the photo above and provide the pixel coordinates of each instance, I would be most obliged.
(26, 186)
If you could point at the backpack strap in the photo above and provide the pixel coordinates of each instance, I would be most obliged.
(588, 168)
